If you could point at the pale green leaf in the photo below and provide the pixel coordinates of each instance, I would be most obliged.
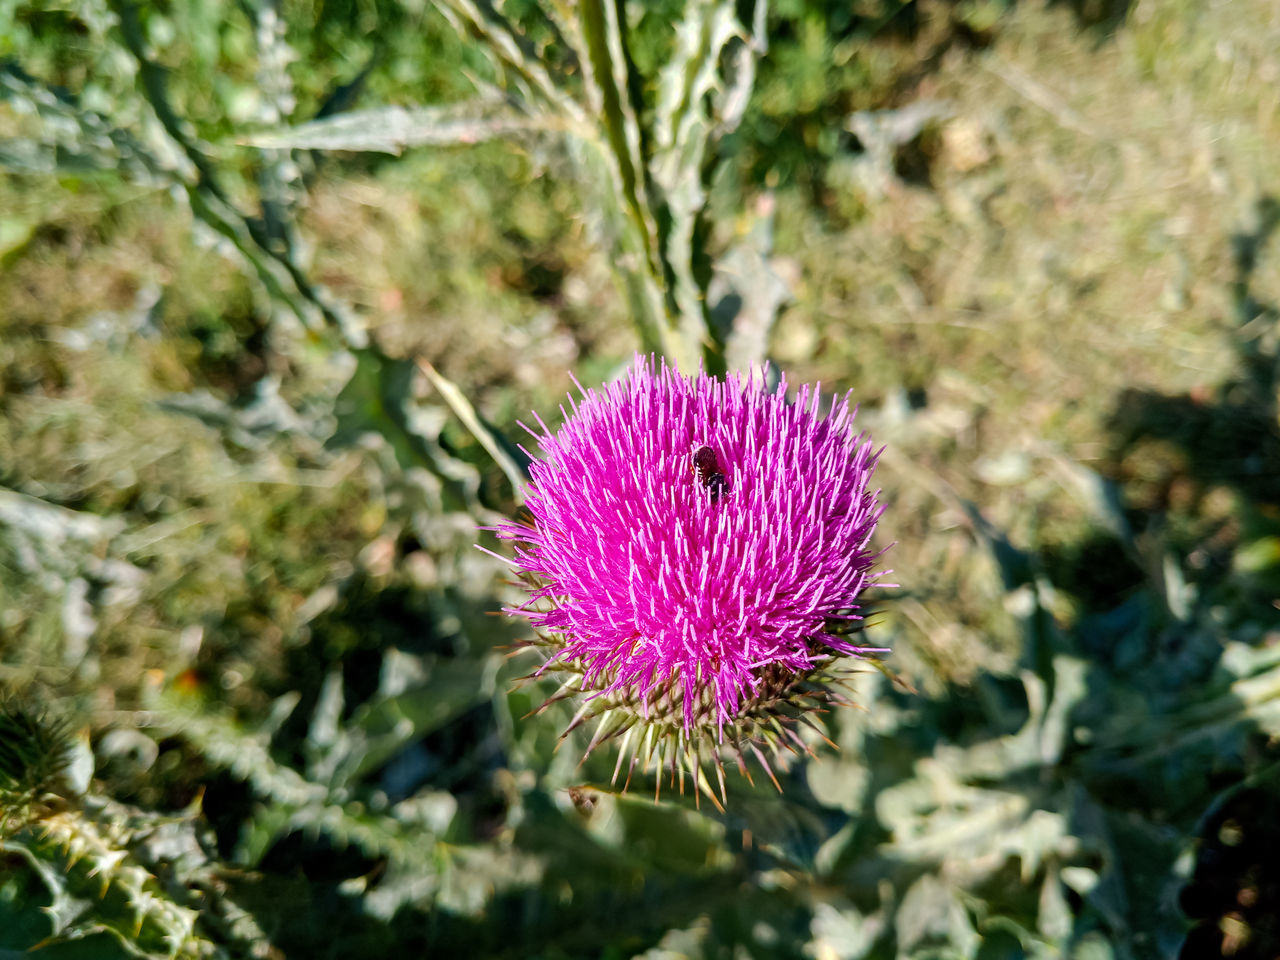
(497, 446)
(394, 129)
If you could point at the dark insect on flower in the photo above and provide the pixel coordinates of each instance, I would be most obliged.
(706, 468)
(690, 623)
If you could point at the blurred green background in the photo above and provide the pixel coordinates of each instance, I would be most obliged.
(264, 344)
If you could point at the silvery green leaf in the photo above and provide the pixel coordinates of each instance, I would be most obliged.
(195, 175)
(384, 725)
(842, 932)
(130, 752)
(274, 57)
(225, 744)
(70, 139)
(881, 133)
(394, 129)
(931, 916)
(746, 293)
(731, 104)
(57, 527)
(687, 79)
(78, 622)
(1054, 918)
(606, 52)
(682, 129)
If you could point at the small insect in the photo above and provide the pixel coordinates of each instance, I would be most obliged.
(706, 469)
(584, 799)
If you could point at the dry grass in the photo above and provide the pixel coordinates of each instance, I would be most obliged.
(1075, 240)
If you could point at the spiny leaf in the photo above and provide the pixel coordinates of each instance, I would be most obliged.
(194, 171)
(35, 749)
(610, 90)
(684, 128)
(99, 885)
(512, 51)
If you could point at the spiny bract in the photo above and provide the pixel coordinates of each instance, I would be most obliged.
(697, 549)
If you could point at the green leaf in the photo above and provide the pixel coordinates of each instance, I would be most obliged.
(92, 945)
(70, 140)
(507, 45)
(25, 901)
(15, 234)
(608, 61)
(380, 728)
(1259, 556)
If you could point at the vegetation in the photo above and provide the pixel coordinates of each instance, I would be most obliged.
(280, 278)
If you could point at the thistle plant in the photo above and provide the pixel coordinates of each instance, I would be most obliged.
(697, 550)
(35, 750)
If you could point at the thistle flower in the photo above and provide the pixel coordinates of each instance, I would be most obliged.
(696, 553)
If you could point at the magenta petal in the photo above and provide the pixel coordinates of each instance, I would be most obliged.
(692, 534)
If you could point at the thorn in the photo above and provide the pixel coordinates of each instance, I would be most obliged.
(578, 719)
(622, 752)
(522, 648)
(657, 781)
(704, 786)
(715, 753)
(794, 737)
(818, 730)
(765, 763)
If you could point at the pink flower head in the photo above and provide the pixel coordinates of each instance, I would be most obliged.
(693, 540)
